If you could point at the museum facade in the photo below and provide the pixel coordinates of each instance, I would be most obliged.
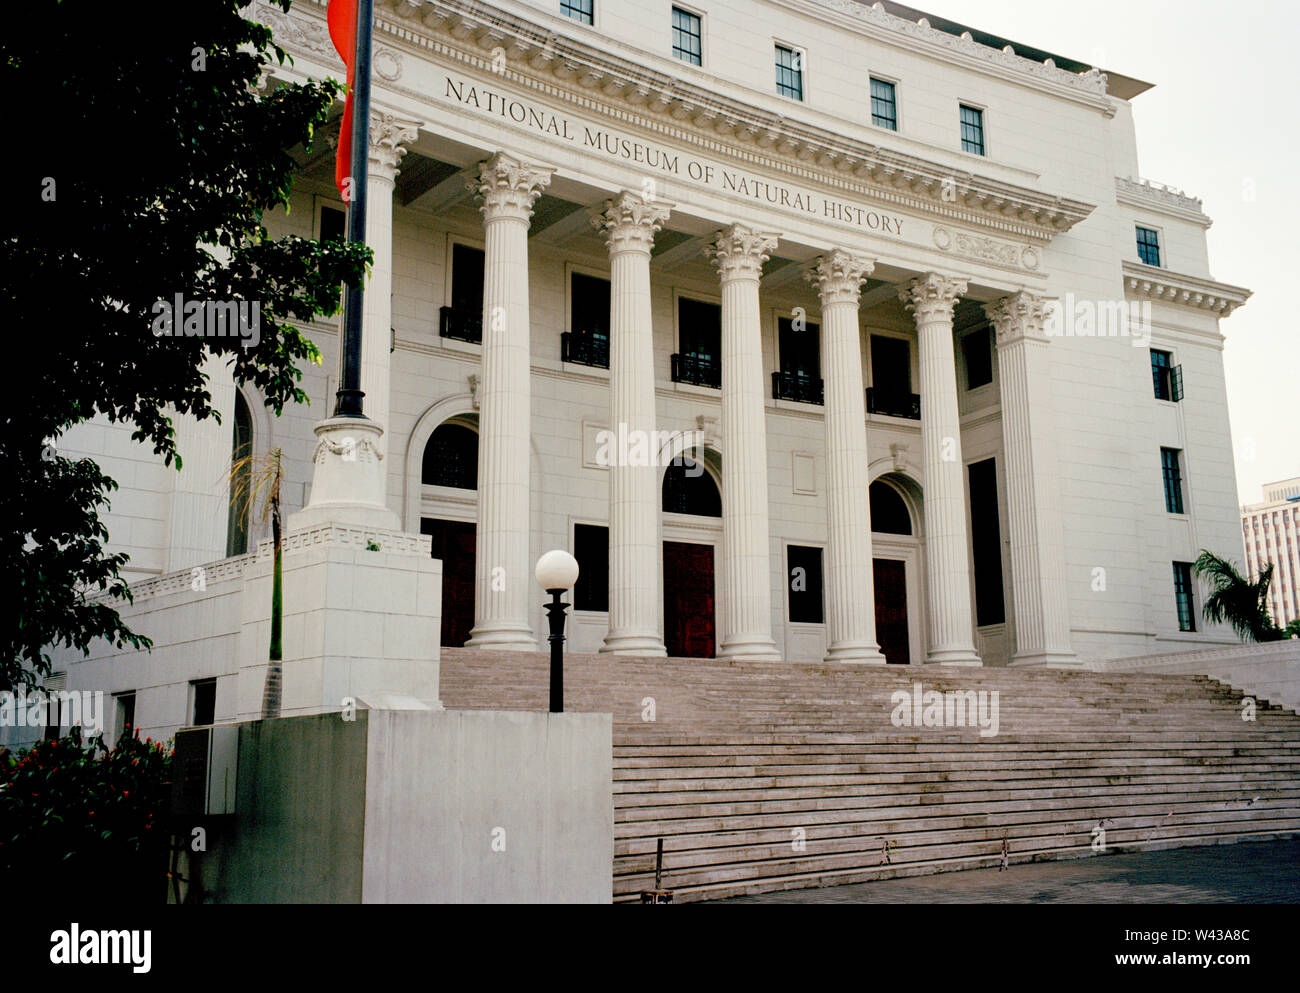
(814, 329)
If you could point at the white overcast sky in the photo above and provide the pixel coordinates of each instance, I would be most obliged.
(1223, 112)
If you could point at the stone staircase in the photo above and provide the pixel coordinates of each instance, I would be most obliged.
(770, 776)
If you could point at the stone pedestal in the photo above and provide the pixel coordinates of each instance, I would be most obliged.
(348, 481)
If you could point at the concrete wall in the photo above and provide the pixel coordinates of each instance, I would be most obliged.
(1270, 671)
(420, 806)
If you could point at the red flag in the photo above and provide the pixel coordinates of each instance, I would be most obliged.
(342, 19)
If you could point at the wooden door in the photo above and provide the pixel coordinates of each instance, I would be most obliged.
(453, 543)
(688, 600)
(891, 610)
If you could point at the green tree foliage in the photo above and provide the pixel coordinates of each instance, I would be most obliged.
(82, 815)
(1236, 601)
(140, 163)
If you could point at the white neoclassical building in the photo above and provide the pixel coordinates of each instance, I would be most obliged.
(816, 329)
(1270, 533)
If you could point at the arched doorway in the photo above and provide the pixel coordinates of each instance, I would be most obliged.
(239, 509)
(893, 539)
(448, 481)
(692, 504)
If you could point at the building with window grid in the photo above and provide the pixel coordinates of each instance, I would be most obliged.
(812, 252)
(1270, 532)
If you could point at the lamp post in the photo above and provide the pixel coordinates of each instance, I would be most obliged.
(556, 572)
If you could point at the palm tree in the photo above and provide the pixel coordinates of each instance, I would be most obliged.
(255, 481)
(1236, 600)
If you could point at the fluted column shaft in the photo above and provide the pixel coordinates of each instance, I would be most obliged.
(1033, 505)
(739, 254)
(931, 298)
(850, 583)
(635, 598)
(389, 137)
(502, 573)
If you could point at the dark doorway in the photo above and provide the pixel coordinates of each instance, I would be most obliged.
(688, 600)
(453, 542)
(891, 610)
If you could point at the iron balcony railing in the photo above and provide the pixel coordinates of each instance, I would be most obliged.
(701, 370)
(585, 348)
(796, 386)
(894, 403)
(460, 324)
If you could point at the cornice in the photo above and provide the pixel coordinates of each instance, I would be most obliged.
(1181, 290)
(1090, 87)
(1164, 199)
(492, 41)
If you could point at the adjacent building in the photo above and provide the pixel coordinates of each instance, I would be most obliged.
(1270, 532)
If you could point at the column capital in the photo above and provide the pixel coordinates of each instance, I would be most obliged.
(389, 137)
(838, 276)
(932, 296)
(739, 252)
(1019, 316)
(509, 186)
(629, 221)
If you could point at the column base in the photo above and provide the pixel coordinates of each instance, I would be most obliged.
(503, 637)
(756, 649)
(953, 656)
(634, 644)
(859, 653)
(1047, 660)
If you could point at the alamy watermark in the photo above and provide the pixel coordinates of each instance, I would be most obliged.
(179, 318)
(1071, 317)
(41, 708)
(635, 447)
(947, 709)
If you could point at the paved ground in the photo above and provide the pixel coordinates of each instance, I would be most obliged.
(1254, 872)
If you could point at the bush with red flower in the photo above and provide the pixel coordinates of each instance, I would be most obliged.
(76, 812)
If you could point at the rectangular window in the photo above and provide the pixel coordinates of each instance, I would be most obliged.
(884, 105)
(203, 702)
(687, 44)
(463, 319)
(800, 375)
(1148, 240)
(890, 391)
(976, 349)
(1161, 367)
(333, 224)
(986, 543)
(587, 340)
(579, 10)
(699, 329)
(124, 724)
(1183, 596)
(789, 72)
(972, 130)
(804, 584)
(1170, 459)
(591, 549)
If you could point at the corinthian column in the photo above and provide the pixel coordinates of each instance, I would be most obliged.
(389, 137)
(629, 223)
(739, 254)
(1033, 507)
(931, 299)
(851, 600)
(508, 188)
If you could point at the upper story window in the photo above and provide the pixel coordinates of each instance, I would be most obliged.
(463, 320)
(579, 10)
(1148, 241)
(1166, 378)
(884, 104)
(977, 351)
(687, 37)
(890, 391)
(587, 340)
(972, 130)
(333, 224)
(799, 377)
(699, 331)
(1171, 468)
(789, 72)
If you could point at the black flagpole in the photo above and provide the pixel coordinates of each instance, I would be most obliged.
(348, 399)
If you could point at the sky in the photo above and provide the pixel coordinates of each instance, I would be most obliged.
(1222, 124)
